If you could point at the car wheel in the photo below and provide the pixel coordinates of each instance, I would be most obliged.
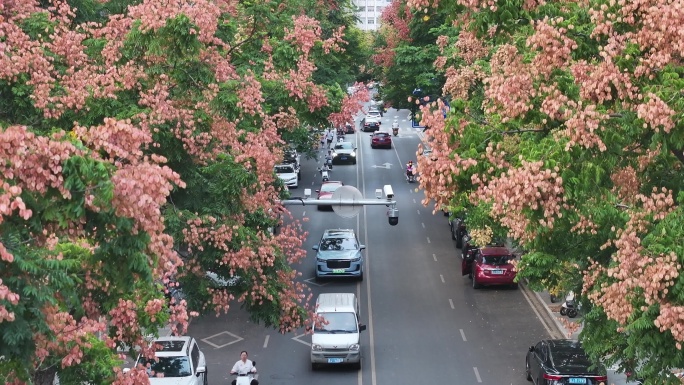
(514, 286)
(475, 284)
(299, 176)
(357, 365)
(527, 370)
(206, 378)
(354, 161)
(453, 236)
(314, 366)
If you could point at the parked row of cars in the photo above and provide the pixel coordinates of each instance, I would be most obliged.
(548, 362)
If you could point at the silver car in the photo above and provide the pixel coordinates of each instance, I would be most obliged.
(339, 255)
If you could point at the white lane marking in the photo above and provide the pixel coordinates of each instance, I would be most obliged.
(414, 200)
(422, 224)
(296, 338)
(463, 335)
(418, 211)
(428, 239)
(477, 374)
(266, 341)
(304, 213)
(441, 277)
(434, 256)
(451, 303)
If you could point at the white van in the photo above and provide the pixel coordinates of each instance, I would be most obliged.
(336, 340)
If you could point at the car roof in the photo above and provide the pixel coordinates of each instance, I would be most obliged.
(172, 346)
(564, 345)
(332, 182)
(338, 233)
(495, 250)
(381, 133)
(376, 118)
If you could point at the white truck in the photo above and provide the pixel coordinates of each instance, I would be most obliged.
(336, 334)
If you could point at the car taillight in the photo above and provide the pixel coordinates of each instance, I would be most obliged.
(599, 379)
(551, 377)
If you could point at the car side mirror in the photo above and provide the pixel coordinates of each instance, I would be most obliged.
(315, 247)
(362, 247)
(532, 348)
(201, 369)
(362, 327)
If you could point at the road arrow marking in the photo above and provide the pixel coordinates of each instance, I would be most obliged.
(296, 338)
(384, 165)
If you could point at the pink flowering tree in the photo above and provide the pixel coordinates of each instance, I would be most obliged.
(137, 145)
(565, 137)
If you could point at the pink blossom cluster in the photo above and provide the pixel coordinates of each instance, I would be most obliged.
(626, 184)
(637, 273)
(7, 295)
(581, 128)
(585, 225)
(470, 47)
(530, 186)
(656, 114)
(459, 81)
(603, 82)
(510, 86)
(554, 47)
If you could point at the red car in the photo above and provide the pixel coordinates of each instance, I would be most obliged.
(489, 265)
(381, 139)
(326, 192)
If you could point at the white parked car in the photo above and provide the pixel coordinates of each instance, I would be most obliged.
(288, 174)
(178, 361)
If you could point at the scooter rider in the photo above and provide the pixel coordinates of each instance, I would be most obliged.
(409, 169)
(243, 367)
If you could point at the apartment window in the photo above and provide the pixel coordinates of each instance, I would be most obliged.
(362, 9)
(371, 20)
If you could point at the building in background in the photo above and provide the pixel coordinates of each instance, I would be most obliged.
(368, 13)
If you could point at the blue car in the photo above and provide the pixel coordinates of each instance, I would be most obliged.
(339, 255)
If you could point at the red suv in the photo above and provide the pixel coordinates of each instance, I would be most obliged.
(381, 139)
(489, 265)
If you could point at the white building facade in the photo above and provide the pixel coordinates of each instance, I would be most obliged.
(368, 13)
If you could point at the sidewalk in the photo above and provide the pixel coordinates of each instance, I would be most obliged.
(570, 328)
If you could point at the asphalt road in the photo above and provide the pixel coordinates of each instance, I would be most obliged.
(425, 322)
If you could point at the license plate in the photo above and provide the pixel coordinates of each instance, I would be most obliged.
(344, 158)
(338, 271)
(578, 380)
(499, 272)
(335, 360)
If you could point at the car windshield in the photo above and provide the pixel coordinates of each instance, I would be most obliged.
(381, 135)
(330, 187)
(168, 367)
(343, 145)
(338, 244)
(337, 323)
(496, 259)
(284, 170)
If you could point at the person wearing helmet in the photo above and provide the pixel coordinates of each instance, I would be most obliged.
(409, 169)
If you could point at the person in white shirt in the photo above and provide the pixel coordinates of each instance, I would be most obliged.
(244, 366)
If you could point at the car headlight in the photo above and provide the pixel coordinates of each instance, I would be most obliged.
(354, 347)
(317, 348)
(320, 260)
(356, 259)
(334, 154)
(292, 179)
(353, 153)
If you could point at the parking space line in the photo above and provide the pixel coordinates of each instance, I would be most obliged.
(434, 256)
(463, 335)
(428, 239)
(441, 277)
(477, 374)
(423, 224)
(266, 341)
(418, 211)
(451, 303)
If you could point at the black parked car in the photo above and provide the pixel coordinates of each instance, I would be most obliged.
(562, 362)
(458, 230)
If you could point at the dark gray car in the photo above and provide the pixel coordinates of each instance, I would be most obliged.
(339, 255)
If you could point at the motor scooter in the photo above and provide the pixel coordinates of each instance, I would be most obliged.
(411, 174)
(325, 176)
(569, 307)
(395, 128)
(246, 378)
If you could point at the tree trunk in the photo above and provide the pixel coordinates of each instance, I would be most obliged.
(46, 376)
